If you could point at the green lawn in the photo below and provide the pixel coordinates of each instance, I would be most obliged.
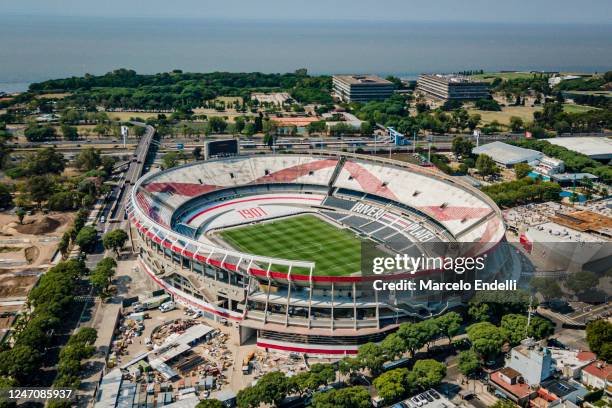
(335, 251)
(571, 108)
(490, 76)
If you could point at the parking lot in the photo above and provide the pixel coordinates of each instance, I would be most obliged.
(427, 399)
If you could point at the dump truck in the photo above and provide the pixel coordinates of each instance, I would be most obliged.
(246, 363)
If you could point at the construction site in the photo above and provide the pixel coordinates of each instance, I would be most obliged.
(27, 250)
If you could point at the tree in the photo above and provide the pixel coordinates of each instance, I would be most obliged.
(310, 381)
(210, 403)
(216, 124)
(393, 346)
(239, 124)
(46, 161)
(350, 397)
(39, 188)
(394, 384)
(486, 338)
(599, 337)
(549, 288)
(582, 281)
(115, 240)
(6, 198)
(317, 127)
(101, 130)
(248, 397)
(20, 213)
(273, 387)
(70, 132)
(516, 124)
(474, 121)
(87, 238)
(366, 129)
(170, 160)
(487, 105)
(197, 153)
(449, 324)
(521, 170)
(486, 166)
(38, 133)
(102, 275)
(371, 356)
(412, 337)
(20, 362)
(88, 159)
(428, 373)
(468, 363)
(462, 147)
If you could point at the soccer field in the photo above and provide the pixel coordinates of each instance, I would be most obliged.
(335, 251)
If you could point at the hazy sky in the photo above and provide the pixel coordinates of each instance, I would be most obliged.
(532, 11)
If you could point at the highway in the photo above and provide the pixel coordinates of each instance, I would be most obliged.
(114, 207)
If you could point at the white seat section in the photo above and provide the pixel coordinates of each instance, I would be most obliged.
(250, 209)
(452, 206)
(198, 178)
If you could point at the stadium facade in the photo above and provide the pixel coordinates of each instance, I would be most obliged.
(291, 305)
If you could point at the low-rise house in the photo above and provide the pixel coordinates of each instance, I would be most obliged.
(571, 362)
(598, 375)
(509, 383)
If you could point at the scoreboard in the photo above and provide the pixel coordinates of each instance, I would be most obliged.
(222, 148)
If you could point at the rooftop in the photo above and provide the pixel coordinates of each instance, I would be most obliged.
(362, 79)
(520, 390)
(510, 372)
(571, 358)
(585, 221)
(594, 147)
(302, 121)
(454, 78)
(507, 154)
(599, 369)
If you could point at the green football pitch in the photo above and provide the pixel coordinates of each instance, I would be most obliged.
(335, 251)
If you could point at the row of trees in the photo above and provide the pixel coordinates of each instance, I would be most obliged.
(409, 338)
(400, 382)
(273, 387)
(50, 303)
(523, 191)
(102, 275)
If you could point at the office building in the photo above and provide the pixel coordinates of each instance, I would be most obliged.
(361, 88)
(452, 87)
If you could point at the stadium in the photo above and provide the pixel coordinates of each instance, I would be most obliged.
(276, 243)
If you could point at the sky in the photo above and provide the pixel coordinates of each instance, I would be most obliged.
(515, 11)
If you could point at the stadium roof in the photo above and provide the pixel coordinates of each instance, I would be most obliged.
(507, 154)
(595, 147)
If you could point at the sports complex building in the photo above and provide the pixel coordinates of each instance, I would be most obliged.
(274, 243)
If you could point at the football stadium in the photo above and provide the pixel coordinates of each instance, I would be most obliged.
(277, 243)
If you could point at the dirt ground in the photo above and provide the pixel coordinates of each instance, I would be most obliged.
(32, 244)
(15, 286)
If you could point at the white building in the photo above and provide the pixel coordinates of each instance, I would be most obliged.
(533, 361)
(571, 362)
(598, 375)
(507, 155)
